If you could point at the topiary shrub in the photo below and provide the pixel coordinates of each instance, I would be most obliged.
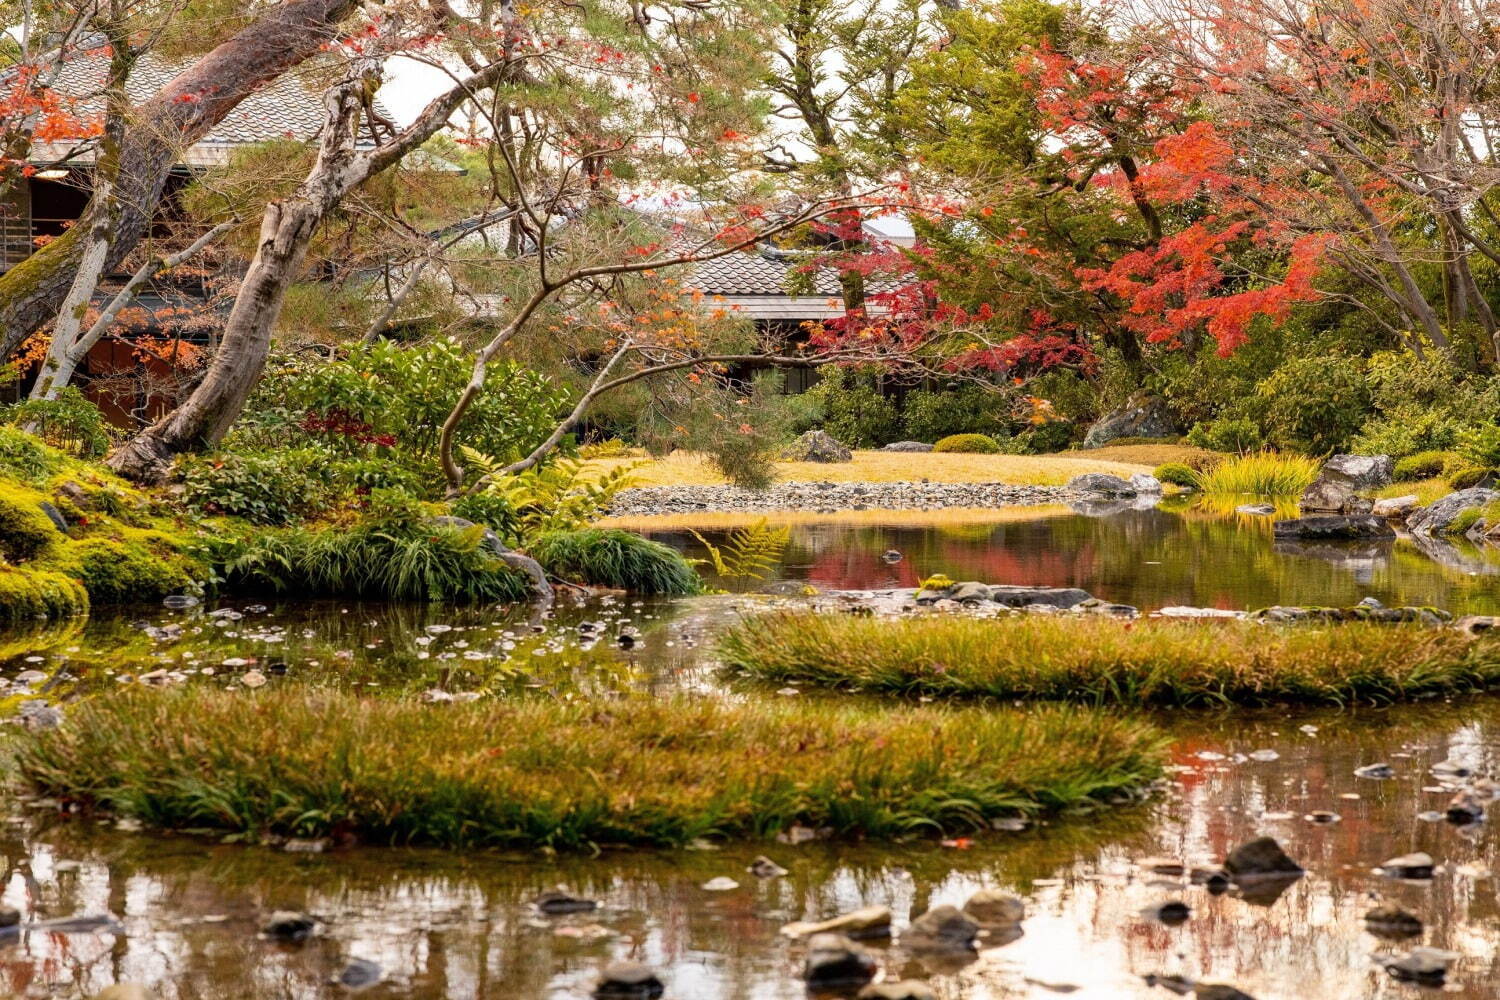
(1426, 465)
(971, 444)
(1177, 474)
(606, 557)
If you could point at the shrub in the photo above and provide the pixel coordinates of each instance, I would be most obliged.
(742, 432)
(1406, 431)
(854, 411)
(1044, 439)
(491, 509)
(1110, 662)
(1264, 473)
(563, 496)
(23, 456)
(1481, 446)
(1177, 474)
(1315, 404)
(70, 422)
(1236, 435)
(970, 409)
(972, 444)
(608, 448)
(272, 488)
(605, 557)
(1425, 465)
(1464, 478)
(506, 773)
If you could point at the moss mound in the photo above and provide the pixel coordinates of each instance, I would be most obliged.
(970, 444)
(28, 594)
(660, 771)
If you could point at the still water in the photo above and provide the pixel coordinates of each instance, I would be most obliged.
(458, 924)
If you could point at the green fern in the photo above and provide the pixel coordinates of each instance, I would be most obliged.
(748, 553)
(564, 495)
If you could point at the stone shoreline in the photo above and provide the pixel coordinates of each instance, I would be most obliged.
(830, 498)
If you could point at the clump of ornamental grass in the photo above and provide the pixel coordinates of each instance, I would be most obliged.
(609, 557)
(1108, 662)
(1265, 473)
(542, 772)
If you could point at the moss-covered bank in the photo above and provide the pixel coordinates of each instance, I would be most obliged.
(1101, 661)
(539, 772)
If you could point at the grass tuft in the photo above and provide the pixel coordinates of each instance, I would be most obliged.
(1267, 474)
(605, 557)
(531, 773)
(1113, 663)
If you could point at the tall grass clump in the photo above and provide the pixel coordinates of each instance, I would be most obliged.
(530, 773)
(1264, 473)
(1107, 662)
(608, 557)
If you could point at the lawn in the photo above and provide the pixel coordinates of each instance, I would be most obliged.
(689, 469)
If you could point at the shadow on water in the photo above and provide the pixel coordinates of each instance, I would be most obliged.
(458, 924)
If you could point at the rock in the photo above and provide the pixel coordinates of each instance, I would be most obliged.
(1145, 484)
(1260, 858)
(54, 515)
(992, 908)
(1180, 985)
(869, 922)
(1162, 866)
(1218, 991)
(1395, 508)
(289, 925)
(1439, 518)
(1476, 624)
(1417, 865)
(835, 960)
(1322, 816)
(1094, 606)
(1172, 913)
(891, 557)
(817, 446)
(179, 602)
(968, 593)
(1213, 879)
(1021, 597)
(1326, 496)
(1422, 965)
(764, 867)
(906, 989)
(1464, 808)
(907, 446)
(1391, 921)
(1329, 526)
(359, 974)
(629, 979)
(720, 884)
(942, 928)
(9, 916)
(1141, 415)
(557, 901)
(1379, 772)
(1101, 484)
(125, 991)
(1263, 509)
(1360, 472)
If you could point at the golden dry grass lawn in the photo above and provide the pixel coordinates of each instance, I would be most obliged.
(688, 469)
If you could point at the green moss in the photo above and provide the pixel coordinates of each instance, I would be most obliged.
(25, 531)
(1465, 520)
(134, 565)
(24, 457)
(973, 444)
(28, 594)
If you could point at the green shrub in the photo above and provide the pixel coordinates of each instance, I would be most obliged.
(854, 411)
(1425, 465)
(70, 422)
(1105, 662)
(969, 409)
(272, 488)
(1235, 435)
(974, 444)
(1266, 473)
(1407, 431)
(23, 456)
(1043, 439)
(491, 509)
(541, 772)
(1315, 404)
(604, 557)
(563, 496)
(742, 433)
(1470, 476)
(1177, 474)
(1481, 445)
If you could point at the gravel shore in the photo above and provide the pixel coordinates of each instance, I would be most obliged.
(829, 498)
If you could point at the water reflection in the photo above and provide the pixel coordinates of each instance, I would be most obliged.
(446, 925)
(1149, 558)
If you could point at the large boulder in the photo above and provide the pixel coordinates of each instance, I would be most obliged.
(1333, 527)
(1327, 496)
(1013, 596)
(1440, 517)
(817, 446)
(1395, 508)
(1101, 484)
(1343, 478)
(1142, 415)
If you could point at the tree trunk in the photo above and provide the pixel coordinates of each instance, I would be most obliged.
(179, 115)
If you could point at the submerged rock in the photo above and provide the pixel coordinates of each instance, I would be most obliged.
(1377, 771)
(289, 925)
(1422, 965)
(764, 867)
(359, 974)
(1417, 865)
(557, 901)
(906, 989)
(629, 979)
(834, 960)
(1260, 858)
(1332, 526)
(1390, 921)
(868, 922)
(1255, 508)
(1467, 806)
(992, 908)
(942, 928)
(1172, 913)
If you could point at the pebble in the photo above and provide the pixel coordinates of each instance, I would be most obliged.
(831, 497)
(1378, 772)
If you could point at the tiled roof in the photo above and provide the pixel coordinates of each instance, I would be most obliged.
(288, 107)
(754, 272)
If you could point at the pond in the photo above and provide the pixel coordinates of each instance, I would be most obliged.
(460, 924)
